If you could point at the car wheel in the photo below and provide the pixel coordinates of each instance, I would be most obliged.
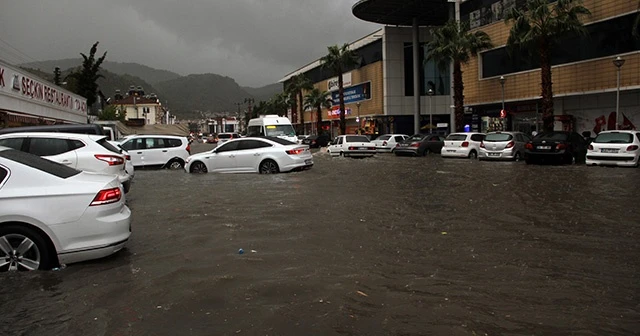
(473, 155)
(269, 167)
(517, 157)
(22, 249)
(341, 154)
(175, 164)
(425, 152)
(198, 168)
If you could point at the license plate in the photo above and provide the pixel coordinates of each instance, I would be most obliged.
(363, 148)
(451, 150)
(309, 161)
(404, 145)
(608, 150)
(543, 147)
(494, 154)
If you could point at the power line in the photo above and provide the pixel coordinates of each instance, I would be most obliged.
(18, 50)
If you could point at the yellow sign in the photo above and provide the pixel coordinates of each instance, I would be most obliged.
(271, 126)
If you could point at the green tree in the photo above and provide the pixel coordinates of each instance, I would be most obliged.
(338, 60)
(296, 87)
(112, 112)
(85, 78)
(454, 43)
(535, 29)
(317, 99)
(279, 103)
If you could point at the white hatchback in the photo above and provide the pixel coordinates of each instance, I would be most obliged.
(266, 155)
(462, 145)
(52, 214)
(615, 148)
(92, 153)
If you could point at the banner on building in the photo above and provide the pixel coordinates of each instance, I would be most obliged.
(353, 94)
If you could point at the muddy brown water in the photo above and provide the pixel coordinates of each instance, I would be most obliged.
(380, 246)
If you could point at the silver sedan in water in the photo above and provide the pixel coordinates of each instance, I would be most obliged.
(503, 146)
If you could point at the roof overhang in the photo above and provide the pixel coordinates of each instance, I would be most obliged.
(402, 12)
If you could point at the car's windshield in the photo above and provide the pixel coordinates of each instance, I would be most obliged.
(496, 137)
(280, 130)
(614, 137)
(357, 138)
(384, 137)
(457, 137)
(552, 136)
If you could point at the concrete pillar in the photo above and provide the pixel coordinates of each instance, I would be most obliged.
(416, 77)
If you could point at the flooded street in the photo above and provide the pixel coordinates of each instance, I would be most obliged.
(379, 246)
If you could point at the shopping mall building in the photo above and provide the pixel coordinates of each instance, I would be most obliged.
(26, 100)
(379, 90)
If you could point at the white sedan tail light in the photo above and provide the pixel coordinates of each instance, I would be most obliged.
(112, 160)
(295, 151)
(107, 196)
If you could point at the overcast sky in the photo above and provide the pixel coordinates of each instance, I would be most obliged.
(256, 42)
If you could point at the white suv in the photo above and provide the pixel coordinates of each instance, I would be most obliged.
(465, 145)
(92, 153)
(166, 151)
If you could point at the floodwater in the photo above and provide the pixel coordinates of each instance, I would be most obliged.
(379, 246)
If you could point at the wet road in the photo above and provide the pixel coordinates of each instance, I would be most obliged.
(379, 246)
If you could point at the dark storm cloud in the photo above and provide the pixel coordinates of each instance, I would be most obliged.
(254, 41)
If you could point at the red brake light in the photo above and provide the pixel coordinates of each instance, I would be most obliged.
(188, 149)
(561, 146)
(295, 151)
(632, 148)
(511, 144)
(128, 157)
(352, 148)
(415, 144)
(465, 144)
(384, 143)
(112, 160)
(528, 146)
(397, 145)
(590, 147)
(107, 196)
(482, 145)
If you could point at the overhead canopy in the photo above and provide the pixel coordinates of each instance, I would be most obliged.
(402, 12)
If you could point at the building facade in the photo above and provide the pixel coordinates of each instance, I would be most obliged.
(26, 100)
(583, 73)
(140, 109)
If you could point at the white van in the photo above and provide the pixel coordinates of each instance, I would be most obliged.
(272, 125)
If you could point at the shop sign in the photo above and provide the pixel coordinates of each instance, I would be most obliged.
(335, 113)
(29, 87)
(333, 84)
(353, 94)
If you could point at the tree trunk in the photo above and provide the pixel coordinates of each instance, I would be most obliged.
(343, 121)
(319, 120)
(547, 86)
(458, 96)
(301, 112)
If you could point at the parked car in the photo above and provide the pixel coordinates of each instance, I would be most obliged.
(387, 142)
(615, 148)
(92, 153)
(128, 165)
(223, 137)
(556, 146)
(465, 145)
(352, 145)
(266, 155)
(53, 214)
(420, 144)
(301, 137)
(166, 151)
(503, 146)
(316, 141)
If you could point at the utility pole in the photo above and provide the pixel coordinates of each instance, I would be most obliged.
(249, 102)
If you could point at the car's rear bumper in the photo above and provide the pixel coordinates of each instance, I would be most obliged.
(382, 149)
(359, 153)
(612, 160)
(455, 152)
(505, 154)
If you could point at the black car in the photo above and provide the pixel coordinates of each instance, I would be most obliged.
(420, 144)
(557, 147)
(316, 141)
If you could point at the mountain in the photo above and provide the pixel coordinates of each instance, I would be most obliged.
(209, 93)
(148, 74)
(264, 93)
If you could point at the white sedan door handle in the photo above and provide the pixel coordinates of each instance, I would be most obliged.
(67, 162)
(256, 154)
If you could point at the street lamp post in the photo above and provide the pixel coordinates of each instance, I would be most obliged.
(502, 112)
(358, 117)
(618, 62)
(430, 92)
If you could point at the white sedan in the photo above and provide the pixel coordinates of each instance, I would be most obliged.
(386, 143)
(266, 155)
(616, 148)
(352, 145)
(52, 214)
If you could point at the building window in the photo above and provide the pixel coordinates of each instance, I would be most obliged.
(607, 38)
(431, 76)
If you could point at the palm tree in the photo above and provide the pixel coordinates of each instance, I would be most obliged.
(296, 86)
(338, 60)
(537, 27)
(454, 43)
(317, 99)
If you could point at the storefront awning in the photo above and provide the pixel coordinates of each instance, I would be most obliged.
(402, 12)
